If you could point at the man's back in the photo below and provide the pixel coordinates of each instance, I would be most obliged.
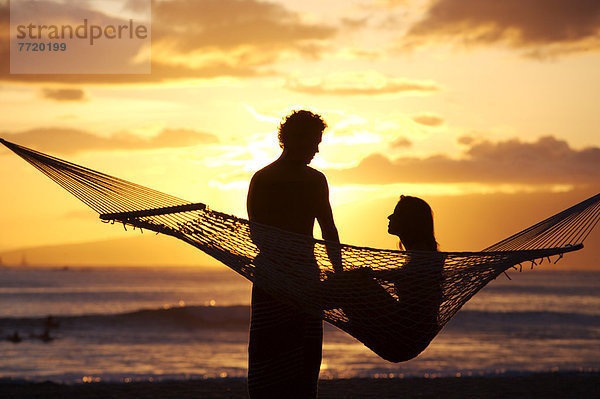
(288, 196)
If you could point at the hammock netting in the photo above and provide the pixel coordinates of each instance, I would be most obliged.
(394, 302)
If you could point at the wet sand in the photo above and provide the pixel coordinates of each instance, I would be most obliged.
(553, 385)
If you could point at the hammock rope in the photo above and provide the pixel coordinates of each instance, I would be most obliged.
(394, 302)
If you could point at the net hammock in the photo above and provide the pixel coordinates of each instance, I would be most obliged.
(394, 302)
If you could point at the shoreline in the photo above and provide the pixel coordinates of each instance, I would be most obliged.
(542, 385)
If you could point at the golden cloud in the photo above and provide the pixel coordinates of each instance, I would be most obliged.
(69, 141)
(545, 161)
(428, 120)
(193, 25)
(63, 94)
(367, 83)
(401, 142)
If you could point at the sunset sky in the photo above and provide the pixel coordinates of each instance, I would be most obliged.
(486, 109)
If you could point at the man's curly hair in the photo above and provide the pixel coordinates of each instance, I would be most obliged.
(300, 126)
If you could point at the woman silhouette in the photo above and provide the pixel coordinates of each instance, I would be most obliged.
(418, 284)
(405, 298)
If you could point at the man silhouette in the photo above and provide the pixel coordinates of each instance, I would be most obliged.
(285, 343)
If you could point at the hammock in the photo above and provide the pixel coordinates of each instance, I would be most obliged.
(394, 302)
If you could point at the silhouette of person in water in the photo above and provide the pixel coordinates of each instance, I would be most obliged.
(285, 343)
(50, 323)
(14, 338)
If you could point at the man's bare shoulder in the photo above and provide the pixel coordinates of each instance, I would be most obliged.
(317, 175)
(267, 173)
(264, 171)
(280, 171)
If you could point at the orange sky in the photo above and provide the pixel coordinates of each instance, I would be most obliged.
(486, 109)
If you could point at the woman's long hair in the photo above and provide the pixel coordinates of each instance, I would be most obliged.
(415, 224)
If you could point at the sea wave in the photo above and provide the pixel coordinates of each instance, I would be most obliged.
(183, 317)
(238, 317)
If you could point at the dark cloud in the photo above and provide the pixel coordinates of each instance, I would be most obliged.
(68, 141)
(539, 27)
(356, 84)
(545, 161)
(428, 120)
(204, 39)
(63, 94)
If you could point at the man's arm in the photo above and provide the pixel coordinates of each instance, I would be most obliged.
(255, 209)
(328, 229)
(250, 199)
(257, 200)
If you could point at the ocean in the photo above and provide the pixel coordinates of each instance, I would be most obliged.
(155, 324)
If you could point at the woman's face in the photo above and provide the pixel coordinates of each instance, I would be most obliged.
(395, 221)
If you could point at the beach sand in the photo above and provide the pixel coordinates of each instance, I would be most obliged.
(552, 385)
